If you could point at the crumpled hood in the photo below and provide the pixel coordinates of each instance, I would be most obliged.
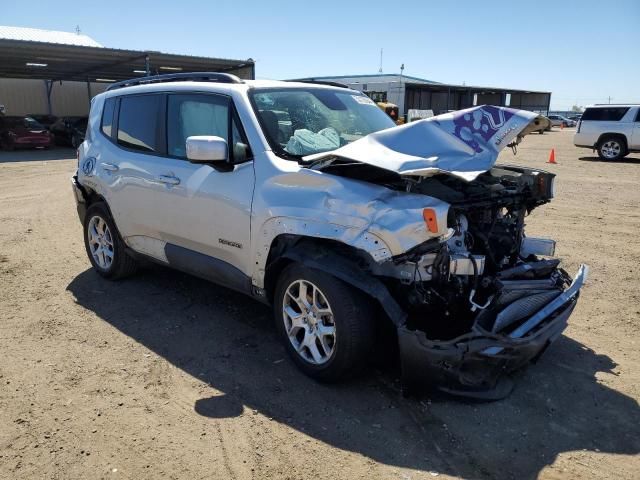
(465, 143)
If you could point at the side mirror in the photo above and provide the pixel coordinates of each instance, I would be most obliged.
(207, 149)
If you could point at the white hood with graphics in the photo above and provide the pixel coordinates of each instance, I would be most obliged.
(465, 143)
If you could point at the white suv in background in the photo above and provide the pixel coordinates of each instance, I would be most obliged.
(307, 197)
(612, 130)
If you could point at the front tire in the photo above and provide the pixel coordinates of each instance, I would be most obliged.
(611, 148)
(105, 248)
(325, 324)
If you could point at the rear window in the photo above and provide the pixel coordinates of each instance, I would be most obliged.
(611, 114)
(107, 116)
(139, 126)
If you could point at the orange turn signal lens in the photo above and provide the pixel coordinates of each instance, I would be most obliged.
(430, 219)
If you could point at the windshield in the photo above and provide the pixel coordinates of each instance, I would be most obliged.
(299, 121)
(32, 124)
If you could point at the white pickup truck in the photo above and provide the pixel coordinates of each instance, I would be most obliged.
(612, 130)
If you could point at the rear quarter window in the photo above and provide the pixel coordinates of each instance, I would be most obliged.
(107, 116)
(610, 114)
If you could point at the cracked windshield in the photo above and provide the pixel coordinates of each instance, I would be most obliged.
(302, 122)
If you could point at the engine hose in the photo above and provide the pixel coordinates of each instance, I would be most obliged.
(476, 279)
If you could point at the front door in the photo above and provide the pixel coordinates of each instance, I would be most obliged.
(203, 210)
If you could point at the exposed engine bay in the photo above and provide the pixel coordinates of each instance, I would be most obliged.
(485, 283)
(486, 246)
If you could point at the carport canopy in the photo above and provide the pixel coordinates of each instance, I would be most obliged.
(59, 62)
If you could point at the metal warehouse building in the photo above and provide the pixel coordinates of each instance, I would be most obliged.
(57, 73)
(417, 93)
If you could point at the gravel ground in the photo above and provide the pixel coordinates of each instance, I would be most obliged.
(166, 376)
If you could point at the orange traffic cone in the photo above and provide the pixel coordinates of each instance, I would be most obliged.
(562, 126)
(552, 157)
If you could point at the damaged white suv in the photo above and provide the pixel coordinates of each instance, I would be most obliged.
(308, 197)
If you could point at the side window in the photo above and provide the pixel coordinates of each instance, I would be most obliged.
(139, 124)
(611, 114)
(107, 116)
(638, 115)
(193, 114)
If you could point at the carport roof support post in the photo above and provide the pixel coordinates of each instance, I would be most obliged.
(48, 85)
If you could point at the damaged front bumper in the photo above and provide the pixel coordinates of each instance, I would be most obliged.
(476, 365)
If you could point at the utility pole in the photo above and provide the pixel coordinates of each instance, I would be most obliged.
(609, 99)
(380, 70)
(401, 92)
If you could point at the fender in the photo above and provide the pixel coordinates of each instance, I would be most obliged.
(349, 272)
(351, 236)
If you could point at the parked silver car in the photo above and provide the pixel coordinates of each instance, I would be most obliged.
(560, 121)
(307, 197)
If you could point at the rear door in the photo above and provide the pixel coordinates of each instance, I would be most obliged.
(635, 137)
(129, 164)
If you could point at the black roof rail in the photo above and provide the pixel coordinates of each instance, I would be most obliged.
(319, 82)
(178, 77)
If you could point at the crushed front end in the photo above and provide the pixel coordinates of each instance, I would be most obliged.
(485, 300)
(481, 299)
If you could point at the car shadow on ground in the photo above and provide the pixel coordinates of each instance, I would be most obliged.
(622, 160)
(228, 341)
(37, 155)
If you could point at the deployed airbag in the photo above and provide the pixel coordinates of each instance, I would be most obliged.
(304, 142)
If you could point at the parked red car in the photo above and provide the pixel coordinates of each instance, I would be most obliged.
(23, 132)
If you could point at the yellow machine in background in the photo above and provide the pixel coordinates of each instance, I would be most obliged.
(391, 109)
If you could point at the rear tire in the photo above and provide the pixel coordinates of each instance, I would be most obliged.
(105, 248)
(310, 304)
(612, 148)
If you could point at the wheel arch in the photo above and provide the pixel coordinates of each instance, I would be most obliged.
(619, 135)
(92, 197)
(353, 266)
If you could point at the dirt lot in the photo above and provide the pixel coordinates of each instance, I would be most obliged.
(166, 376)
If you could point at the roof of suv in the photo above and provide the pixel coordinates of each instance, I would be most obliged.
(215, 78)
(609, 105)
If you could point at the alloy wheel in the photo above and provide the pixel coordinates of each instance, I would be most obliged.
(611, 149)
(309, 322)
(100, 242)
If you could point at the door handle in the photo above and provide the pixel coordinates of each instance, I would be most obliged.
(109, 167)
(168, 179)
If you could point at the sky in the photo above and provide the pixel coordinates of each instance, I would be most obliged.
(582, 51)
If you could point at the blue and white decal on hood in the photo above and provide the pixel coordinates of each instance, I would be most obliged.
(465, 143)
